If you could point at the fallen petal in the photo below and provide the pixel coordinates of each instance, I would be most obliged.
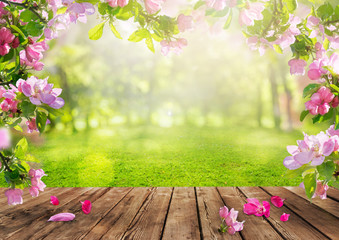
(86, 206)
(284, 217)
(62, 217)
(277, 201)
(54, 200)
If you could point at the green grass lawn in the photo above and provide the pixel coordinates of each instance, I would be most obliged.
(151, 156)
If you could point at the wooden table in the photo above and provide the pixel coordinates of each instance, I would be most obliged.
(168, 213)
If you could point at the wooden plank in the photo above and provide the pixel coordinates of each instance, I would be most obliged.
(209, 203)
(328, 204)
(294, 228)
(84, 223)
(116, 222)
(149, 222)
(254, 227)
(333, 193)
(319, 218)
(182, 219)
(40, 227)
(19, 216)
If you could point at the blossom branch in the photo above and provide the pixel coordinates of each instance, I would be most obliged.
(27, 6)
(4, 160)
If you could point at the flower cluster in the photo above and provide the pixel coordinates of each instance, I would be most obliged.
(229, 221)
(37, 184)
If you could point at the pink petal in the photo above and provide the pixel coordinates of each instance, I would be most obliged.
(54, 200)
(62, 217)
(284, 217)
(267, 207)
(86, 206)
(250, 208)
(277, 201)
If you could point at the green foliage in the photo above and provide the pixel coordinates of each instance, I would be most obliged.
(310, 89)
(96, 32)
(27, 108)
(303, 115)
(114, 31)
(21, 148)
(326, 169)
(291, 5)
(41, 119)
(310, 183)
(322, 118)
(325, 11)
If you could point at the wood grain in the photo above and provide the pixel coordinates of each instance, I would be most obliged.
(254, 227)
(117, 221)
(333, 193)
(182, 219)
(294, 228)
(328, 204)
(149, 222)
(317, 217)
(209, 202)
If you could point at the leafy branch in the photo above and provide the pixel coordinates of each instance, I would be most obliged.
(26, 6)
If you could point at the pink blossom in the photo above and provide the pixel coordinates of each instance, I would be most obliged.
(59, 22)
(78, 11)
(313, 149)
(153, 6)
(313, 23)
(216, 4)
(251, 12)
(33, 54)
(86, 206)
(320, 51)
(231, 3)
(54, 200)
(6, 38)
(284, 217)
(297, 66)
(334, 62)
(5, 138)
(31, 125)
(36, 182)
(175, 46)
(254, 43)
(120, 3)
(230, 219)
(253, 206)
(34, 191)
(334, 41)
(320, 101)
(320, 191)
(14, 196)
(332, 132)
(316, 69)
(277, 201)
(185, 22)
(2, 11)
(62, 217)
(39, 91)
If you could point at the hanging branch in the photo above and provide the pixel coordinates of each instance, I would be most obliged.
(26, 6)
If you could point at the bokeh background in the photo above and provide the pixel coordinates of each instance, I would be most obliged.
(216, 115)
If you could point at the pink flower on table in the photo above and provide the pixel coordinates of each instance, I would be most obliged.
(230, 218)
(216, 4)
(251, 12)
(39, 91)
(14, 196)
(54, 200)
(62, 217)
(185, 22)
(313, 149)
(297, 66)
(5, 138)
(6, 38)
(153, 6)
(284, 217)
(277, 201)
(116, 3)
(313, 23)
(320, 101)
(86, 206)
(253, 206)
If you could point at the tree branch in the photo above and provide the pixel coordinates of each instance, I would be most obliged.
(330, 22)
(4, 160)
(27, 6)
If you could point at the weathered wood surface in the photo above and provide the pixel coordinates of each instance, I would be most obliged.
(168, 213)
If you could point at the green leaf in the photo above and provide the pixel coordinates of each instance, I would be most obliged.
(297, 172)
(18, 31)
(31, 158)
(326, 169)
(310, 183)
(125, 13)
(310, 89)
(291, 5)
(114, 31)
(277, 48)
(336, 184)
(34, 29)
(322, 118)
(27, 16)
(27, 108)
(96, 32)
(198, 4)
(55, 112)
(93, 2)
(149, 43)
(102, 8)
(222, 13)
(336, 11)
(41, 119)
(228, 20)
(325, 11)
(303, 115)
(336, 121)
(334, 87)
(21, 148)
(139, 35)
(14, 175)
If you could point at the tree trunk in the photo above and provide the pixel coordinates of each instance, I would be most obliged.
(288, 102)
(259, 104)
